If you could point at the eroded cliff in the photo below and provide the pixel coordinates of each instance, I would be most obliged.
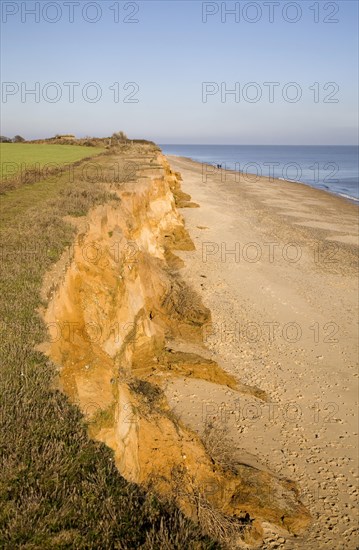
(122, 322)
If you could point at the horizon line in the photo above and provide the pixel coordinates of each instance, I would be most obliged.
(269, 145)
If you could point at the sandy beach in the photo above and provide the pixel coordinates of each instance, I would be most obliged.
(276, 264)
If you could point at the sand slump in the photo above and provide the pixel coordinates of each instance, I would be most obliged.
(122, 323)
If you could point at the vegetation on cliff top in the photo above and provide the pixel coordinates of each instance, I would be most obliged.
(58, 488)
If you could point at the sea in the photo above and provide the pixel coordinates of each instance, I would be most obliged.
(334, 169)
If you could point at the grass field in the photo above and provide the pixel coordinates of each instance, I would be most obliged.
(59, 489)
(32, 153)
(27, 162)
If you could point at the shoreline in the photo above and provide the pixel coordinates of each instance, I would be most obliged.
(307, 429)
(348, 198)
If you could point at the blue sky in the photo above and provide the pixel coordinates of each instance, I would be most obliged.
(168, 55)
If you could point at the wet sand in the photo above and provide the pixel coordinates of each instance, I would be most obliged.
(276, 263)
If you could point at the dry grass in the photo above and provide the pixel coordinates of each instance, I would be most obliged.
(59, 489)
(219, 446)
(230, 531)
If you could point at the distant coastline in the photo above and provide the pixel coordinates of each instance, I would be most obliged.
(333, 169)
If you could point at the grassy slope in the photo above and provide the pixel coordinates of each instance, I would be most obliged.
(58, 489)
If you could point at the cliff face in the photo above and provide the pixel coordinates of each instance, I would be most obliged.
(119, 323)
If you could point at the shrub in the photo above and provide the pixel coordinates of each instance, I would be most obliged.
(18, 139)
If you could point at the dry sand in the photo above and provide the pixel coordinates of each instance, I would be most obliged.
(284, 319)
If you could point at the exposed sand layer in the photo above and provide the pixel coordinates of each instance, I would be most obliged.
(276, 263)
(126, 327)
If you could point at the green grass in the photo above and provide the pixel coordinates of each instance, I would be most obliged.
(58, 488)
(32, 153)
(23, 163)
